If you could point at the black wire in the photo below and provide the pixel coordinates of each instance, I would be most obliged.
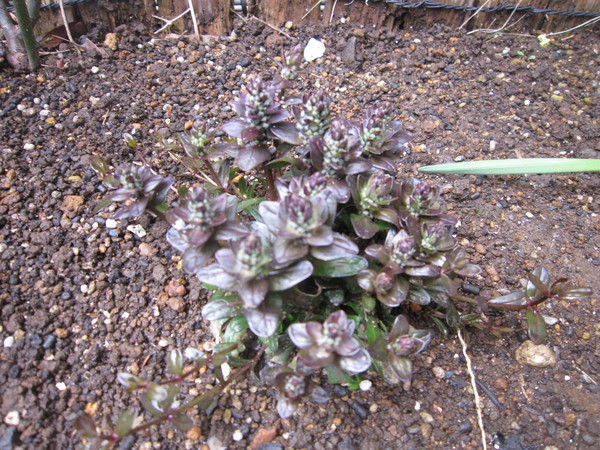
(433, 5)
(510, 8)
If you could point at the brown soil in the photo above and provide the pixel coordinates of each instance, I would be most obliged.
(81, 301)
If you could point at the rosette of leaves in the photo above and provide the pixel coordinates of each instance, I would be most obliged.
(310, 186)
(336, 155)
(301, 228)
(142, 189)
(381, 138)
(374, 197)
(420, 198)
(328, 344)
(292, 389)
(196, 142)
(249, 269)
(538, 290)
(199, 222)
(387, 279)
(313, 116)
(292, 62)
(262, 120)
(396, 350)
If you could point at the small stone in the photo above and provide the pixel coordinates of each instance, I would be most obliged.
(50, 121)
(238, 435)
(71, 204)
(262, 436)
(535, 355)
(13, 418)
(426, 430)
(365, 385)
(426, 417)
(28, 147)
(501, 384)
(176, 304)
(194, 433)
(480, 248)
(289, 25)
(465, 427)
(175, 288)
(586, 336)
(111, 223)
(557, 98)
(570, 419)
(138, 230)
(95, 69)
(163, 342)
(492, 146)
(9, 341)
(438, 372)
(147, 249)
(61, 333)
(110, 41)
(61, 386)
(492, 272)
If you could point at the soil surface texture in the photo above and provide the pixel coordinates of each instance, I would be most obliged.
(83, 297)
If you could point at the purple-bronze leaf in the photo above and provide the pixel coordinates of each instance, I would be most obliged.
(234, 128)
(363, 226)
(357, 363)
(216, 276)
(250, 157)
(263, 321)
(298, 333)
(253, 292)
(291, 276)
(287, 132)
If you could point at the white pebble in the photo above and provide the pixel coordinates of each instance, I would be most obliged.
(527, 102)
(163, 342)
(492, 146)
(314, 50)
(238, 435)
(12, 418)
(137, 229)
(9, 341)
(95, 70)
(29, 146)
(111, 223)
(61, 386)
(365, 385)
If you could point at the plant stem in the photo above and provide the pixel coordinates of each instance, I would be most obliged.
(211, 393)
(271, 184)
(213, 174)
(462, 298)
(26, 25)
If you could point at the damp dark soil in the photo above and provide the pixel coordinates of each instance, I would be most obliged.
(82, 298)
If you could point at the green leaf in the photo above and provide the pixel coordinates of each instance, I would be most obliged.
(513, 301)
(176, 362)
(86, 426)
(182, 191)
(182, 422)
(102, 204)
(536, 327)
(341, 267)
(247, 204)
(517, 166)
(125, 422)
(235, 329)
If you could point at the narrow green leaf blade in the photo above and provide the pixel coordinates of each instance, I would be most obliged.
(517, 166)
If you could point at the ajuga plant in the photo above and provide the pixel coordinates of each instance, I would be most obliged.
(313, 247)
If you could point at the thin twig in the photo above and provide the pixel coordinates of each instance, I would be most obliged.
(473, 15)
(273, 27)
(169, 22)
(589, 22)
(194, 21)
(503, 26)
(475, 391)
(66, 22)
(318, 2)
(332, 11)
